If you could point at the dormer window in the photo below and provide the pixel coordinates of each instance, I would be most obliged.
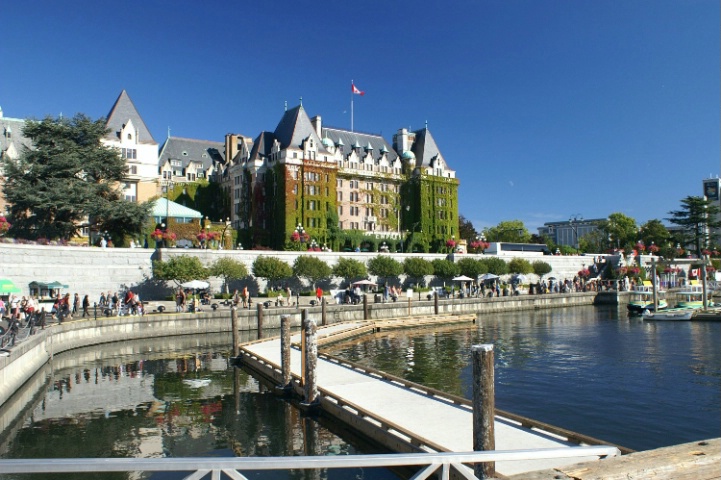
(130, 136)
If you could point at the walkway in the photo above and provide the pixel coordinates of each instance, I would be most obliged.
(441, 423)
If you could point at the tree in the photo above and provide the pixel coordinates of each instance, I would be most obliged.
(417, 268)
(384, 266)
(620, 230)
(466, 230)
(69, 181)
(697, 217)
(312, 268)
(349, 269)
(509, 231)
(271, 268)
(593, 242)
(229, 269)
(471, 267)
(655, 236)
(495, 265)
(520, 265)
(444, 268)
(541, 268)
(180, 269)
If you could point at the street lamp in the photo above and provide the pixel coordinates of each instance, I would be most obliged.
(227, 224)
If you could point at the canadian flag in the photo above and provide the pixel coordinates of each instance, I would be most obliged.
(355, 90)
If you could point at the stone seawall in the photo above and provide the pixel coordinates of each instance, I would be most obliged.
(30, 355)
(92, 270)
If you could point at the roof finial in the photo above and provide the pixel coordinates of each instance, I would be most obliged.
(285, 108)
(426, 124)
(301, 101)
(168, 131)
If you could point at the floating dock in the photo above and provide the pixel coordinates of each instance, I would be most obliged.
(402, 416)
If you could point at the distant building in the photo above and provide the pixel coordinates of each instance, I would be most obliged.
(185, 160)
(569, 232)
(304, 174)
(12, 142)
(128, 133)
(711, 190)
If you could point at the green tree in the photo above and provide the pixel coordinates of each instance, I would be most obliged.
(349, 269)
(69, 181)
(696, 218)
(466, 230)
(417, 268)
(384, 266)
(509, 231)
(311, 268)
(180, 269)
(594, 242)
(271, 268)
(541, 268)
(444, 268)
(520, 265)
(471, 267)
(495, 265)
(620, 230)
(228, 269)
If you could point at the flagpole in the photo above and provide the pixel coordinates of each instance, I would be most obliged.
(351, 105)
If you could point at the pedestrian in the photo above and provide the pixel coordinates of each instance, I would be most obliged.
(76, 304)
(86, 306)
(319, 294)
(179, 300)
(246, 297)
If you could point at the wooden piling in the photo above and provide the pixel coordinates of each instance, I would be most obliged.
(484, 438)
(310, 389)
(260, 320)
(303, 319)
(323, 319)
(234, 326)
(365, 307)
(435, 302)
(285, 351)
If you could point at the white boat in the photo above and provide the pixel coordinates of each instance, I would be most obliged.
(642, 299)
(671, 314)
(692, 296)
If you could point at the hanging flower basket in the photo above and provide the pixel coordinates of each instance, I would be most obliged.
(4, 225)
(157, 235)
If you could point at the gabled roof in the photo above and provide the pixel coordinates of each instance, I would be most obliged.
(425, 148)
(374, 144)
(262, 146)
(122, 111)
(294, 128)
(191, 150)
(11, 135)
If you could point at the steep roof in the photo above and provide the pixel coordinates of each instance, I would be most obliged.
(294, 128)
(11, 135)
(122, 111)
(366, 141)
(425, 148)
(188, 149)
(262, 146)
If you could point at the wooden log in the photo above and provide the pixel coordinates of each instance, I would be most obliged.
(234, 326)
(484, 406)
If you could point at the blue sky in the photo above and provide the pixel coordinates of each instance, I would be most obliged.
(546, 109)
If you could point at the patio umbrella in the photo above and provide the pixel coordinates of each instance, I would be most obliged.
(7, 286)
(462, 278)
(363, 282)
(520, 278)
(195, 284)
(488, 276)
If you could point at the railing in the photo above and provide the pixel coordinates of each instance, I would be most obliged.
(200, 467)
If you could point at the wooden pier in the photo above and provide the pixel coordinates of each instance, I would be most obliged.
(403, 416)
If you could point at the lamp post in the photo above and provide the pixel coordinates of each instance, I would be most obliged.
(301, 232)
(573, 223)
(227, 224)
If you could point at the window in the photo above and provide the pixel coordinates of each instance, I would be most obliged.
(133, 170)
(129, 153)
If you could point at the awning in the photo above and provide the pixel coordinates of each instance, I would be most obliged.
(7, 286)
(162, 207)
(46, 285)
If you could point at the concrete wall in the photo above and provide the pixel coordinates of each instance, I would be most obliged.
(92, 270)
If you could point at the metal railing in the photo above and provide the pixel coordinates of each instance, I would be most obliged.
(200, 467)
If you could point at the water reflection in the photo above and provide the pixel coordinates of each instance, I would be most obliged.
(587, 369)
(174, 397)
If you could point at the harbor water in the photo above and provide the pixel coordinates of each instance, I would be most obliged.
(593, 370)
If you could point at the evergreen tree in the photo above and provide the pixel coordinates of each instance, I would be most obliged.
(697, 218)
(69, 181)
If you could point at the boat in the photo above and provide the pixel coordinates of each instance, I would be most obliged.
(642, 299)
(692, 296)
(670, 314)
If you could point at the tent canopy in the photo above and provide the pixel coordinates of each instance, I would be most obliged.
(162, 207)
(7, 286)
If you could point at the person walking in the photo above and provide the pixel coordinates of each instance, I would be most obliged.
(76, 304)
(86, 306)
(319, 294)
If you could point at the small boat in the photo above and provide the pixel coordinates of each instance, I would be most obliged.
(642, 299)
(692, 296)
(671, 314)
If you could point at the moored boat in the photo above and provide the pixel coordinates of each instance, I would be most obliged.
(642, 299)
(691, 296)
(670, 314)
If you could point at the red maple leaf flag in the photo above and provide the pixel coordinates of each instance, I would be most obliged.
(355, 90)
